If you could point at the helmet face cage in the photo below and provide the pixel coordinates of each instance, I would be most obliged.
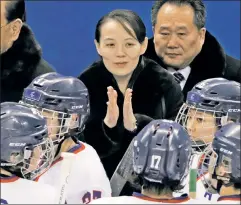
(37, 159)
(212, 167)
(201, 124)
(206, 169)
(60, 123)
(33, 160)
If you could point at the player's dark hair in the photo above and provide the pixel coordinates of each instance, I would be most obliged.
(237, 186)
(15, 9)
(124, 17)
(160, 189)
(197, 5)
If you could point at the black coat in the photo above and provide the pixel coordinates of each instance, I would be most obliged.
(150, 82)
(20, 65)
(211, 62)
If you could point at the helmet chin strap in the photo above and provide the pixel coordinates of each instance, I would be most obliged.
(58, 145)
(220, 183)
(15, 170)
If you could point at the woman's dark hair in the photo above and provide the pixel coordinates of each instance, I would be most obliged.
(15, 9)
(124, 16)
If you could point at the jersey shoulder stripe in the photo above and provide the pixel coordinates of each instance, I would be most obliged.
(8, 179)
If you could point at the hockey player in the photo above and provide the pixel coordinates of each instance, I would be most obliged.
(26, 152)
(64, 101)
(162, 154)
(222, 162)
(210, 104)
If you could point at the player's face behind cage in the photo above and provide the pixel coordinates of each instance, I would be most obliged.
(35, 159)
(201, 124)
(213, 168)
(59, 123)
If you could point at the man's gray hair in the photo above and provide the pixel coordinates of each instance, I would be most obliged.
(197, 5)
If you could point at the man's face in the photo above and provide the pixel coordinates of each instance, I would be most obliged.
(176, 37)
(9, 30)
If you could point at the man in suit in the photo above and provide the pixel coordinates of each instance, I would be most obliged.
(20, 54)
(182, 45)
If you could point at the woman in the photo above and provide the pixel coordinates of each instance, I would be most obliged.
(132, 86)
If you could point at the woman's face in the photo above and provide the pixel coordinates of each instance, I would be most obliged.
(35, 159)
(119, 50)
(222, 169)
(201, 126)
(52, 123)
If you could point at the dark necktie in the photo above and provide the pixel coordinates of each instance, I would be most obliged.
(178, 77)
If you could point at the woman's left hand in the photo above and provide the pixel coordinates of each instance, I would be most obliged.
(128, 115)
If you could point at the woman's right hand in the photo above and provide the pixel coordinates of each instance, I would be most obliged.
(112, 113)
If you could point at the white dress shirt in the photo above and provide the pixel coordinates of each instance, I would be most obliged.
(185, 72)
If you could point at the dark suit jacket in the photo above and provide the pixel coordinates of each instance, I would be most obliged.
(20, 65)
(211, 62)
(150, 82)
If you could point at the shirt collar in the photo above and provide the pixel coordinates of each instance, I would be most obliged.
(185, 71)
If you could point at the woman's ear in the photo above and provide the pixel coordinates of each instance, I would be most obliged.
(144, 46)
(97, 46)
(16, 28)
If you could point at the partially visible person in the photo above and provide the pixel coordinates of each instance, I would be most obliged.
(126, 90)
(182, 45)
(161, 159)
(222, 163)
(20, 54)
(210, 105)
(26, 152)
(64, 102)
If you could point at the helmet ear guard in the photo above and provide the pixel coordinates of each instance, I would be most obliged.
(75, 124)
(227, 118)
(140, 161)
(224, 120)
